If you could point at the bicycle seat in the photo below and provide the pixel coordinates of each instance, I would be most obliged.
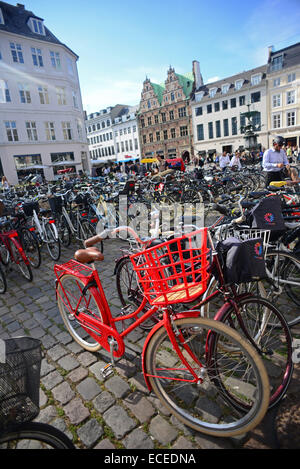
(88, 255)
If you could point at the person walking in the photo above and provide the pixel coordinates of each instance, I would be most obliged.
(274, 160)
(224, 161)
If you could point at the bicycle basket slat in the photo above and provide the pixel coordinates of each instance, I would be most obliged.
(20, 382)
(174, 271)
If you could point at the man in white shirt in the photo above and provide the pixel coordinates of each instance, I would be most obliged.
(274, 160)
(224, 161)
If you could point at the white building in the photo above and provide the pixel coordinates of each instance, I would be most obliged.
(284, 94)
(112, 135)
(42, 120)
(126, 136)
(217, 110)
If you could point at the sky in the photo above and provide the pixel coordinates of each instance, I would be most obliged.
(121, 42)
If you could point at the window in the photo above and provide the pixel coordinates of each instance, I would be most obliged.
(255, 97)
(25, 161)
(210, 130)
(37, 57)
(290, 97)
(165, 135)
(234, 126)
(256, 79)
(55, 59)
(209, 108)
(158, 136)
(4, 92)
(224, 105)
(149, 104)
(24, 93)
(242, 122)
(200, 132)
(199, 96)
(142, 123)
(276, 82)
(256, 120)
(239, 84)
(212, 92)
(276, 100)
(16, 52)
(1, 17)
(291, 77)
(233, 102)
(217, 107)
(130, 145)
(276, 121)
(155, 120)
(149, 122)
(182, 112)
(171, 114)
(136, 145)
(50, 132)
(150, 139)
(11, 131)
(290, 118)
(31, 131)
(242, 100)
(225, 127)
(225, 88)
(163, 117)
(134, 127)
(277, 63)
(183, 131)
(172, 96)
(70, 66)
(37, 26)
(218, 129)
(61, 95)
(173, 133)
(198, 111)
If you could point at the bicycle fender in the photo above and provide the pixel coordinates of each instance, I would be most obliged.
(181, 315)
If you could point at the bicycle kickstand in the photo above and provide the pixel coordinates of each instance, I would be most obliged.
(107, 370)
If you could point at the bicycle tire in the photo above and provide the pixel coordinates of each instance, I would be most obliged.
(4, 254)
(73, 287)
(52, 242)
(280, 266)
(207, 407)
(43, 433)
(64, 232)
(269, 330)
(129, 292)
(31, 247)
(21, 260)
(3, 282)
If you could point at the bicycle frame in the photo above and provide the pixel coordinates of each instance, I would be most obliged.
(12, 236)
(41, 226)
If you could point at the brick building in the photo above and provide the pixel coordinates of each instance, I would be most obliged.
(164, 117)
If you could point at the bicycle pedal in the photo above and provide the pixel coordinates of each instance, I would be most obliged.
(107, 370)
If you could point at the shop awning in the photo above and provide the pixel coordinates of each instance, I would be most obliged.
(35, 166)
(149, 160)
(66, 163)
(128, 159)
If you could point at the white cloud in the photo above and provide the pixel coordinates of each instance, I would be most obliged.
(213, 79)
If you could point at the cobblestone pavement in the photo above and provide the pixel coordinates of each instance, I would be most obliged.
(115, 413)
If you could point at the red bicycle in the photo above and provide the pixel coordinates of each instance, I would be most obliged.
(12, 252)
(205, 372)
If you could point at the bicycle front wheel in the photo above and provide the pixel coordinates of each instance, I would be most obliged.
(21, 260)
(69, 300)
(35, 435)
(52, 242)
(31, 247)
(224, 377)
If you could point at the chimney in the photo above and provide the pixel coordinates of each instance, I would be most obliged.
(197, 74)
(270, 51)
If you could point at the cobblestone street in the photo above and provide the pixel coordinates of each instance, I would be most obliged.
(118, 412)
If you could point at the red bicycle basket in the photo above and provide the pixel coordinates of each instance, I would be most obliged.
(175, 271)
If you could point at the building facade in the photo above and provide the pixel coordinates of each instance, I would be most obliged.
(42, 121)
(218, 110)
(126, 136)
(283, 81)
(164, 117)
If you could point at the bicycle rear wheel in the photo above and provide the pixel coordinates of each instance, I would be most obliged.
(35, 435)
(3, 283)
(224, 377)
(31, 247)
(70, 299)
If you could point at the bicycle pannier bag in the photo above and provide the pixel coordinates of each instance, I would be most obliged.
(243, 261)
(267, 214)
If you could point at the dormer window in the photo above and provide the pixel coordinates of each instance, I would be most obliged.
(276, 63)
(256, 79)
(199, 96)
(225, 88)
(36, 26)
(239, 84)
(212, 92)
(1, 17)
